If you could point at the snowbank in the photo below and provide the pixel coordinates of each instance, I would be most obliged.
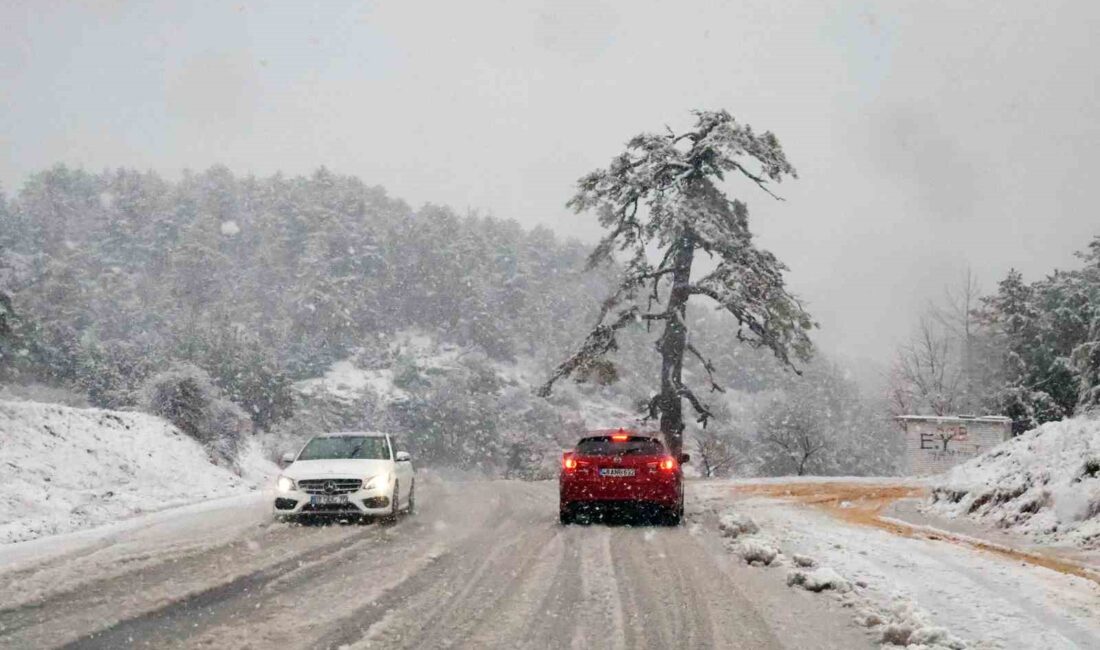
(1044, 483)
(62, 468)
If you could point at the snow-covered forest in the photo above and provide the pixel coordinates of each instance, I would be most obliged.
(216, 300)
(1028, 350)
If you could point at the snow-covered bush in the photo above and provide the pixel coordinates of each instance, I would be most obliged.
(734, 524)
(803, 561)
(818, 580)
(754, 551)
(906, 625)
(185, 396)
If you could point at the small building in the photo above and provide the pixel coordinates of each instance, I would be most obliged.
(935, 443)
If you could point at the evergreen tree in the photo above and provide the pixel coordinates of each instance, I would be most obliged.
(662, 192)
(1086, 359)
(7, 312)
(1012, 315)
(1086, 356)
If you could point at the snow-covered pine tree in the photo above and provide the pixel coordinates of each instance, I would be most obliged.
(7, 312)
(1015, 321)
(1086, 356)
(1086, 361)
(662, 193)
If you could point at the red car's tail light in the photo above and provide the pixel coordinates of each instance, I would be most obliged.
(620, 438)
(569, 462)
(668, 463)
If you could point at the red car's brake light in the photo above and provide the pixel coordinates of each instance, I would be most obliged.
(620, 438)
(568, 462)
(668, 463)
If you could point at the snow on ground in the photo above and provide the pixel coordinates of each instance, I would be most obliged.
(347, 381)
(1044, 483)
(64, 469)
(915, 591)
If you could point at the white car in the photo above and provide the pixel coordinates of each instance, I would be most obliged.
(346, 474)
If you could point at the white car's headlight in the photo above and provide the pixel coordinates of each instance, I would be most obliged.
(285, 484)
(376, 482)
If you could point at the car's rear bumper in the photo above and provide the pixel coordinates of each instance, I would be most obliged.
(575, 493)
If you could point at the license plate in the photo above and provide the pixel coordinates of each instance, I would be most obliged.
(616, 471)
(327, 499)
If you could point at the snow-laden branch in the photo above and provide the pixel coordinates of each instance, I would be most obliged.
(765, 330)
(600, 341)
(708, 366)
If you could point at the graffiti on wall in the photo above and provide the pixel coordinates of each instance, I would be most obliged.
(943, 443)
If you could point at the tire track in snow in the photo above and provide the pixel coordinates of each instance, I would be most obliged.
(107, 593)
(558, 609)
(482, 590)
(437, 584)
(181, 618)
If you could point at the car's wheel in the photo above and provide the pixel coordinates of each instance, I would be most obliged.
(673, 516)
(395, 502)
(411, 507)
(565, 515)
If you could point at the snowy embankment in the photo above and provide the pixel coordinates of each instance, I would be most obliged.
(913, 591)
(1044, 483)
(63, 469)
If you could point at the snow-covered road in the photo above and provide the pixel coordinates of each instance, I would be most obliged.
(483, 564)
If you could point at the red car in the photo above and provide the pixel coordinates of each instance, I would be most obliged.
(615, 470)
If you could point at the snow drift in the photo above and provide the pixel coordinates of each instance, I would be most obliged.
(62, 468)
(1045, 483)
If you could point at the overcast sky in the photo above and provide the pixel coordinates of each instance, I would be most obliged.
(928, 136)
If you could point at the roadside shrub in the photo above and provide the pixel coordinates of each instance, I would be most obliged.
(185, 396)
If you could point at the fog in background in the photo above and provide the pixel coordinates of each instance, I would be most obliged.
(928, 136)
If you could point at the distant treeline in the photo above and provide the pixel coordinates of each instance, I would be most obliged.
(260, 281)
(189, 298)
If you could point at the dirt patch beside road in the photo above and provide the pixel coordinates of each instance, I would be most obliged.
(859, 503)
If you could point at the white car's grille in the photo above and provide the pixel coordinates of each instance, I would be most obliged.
(329, 485)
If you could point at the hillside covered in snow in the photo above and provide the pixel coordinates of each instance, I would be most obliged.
(1044, 483)
(62, 468)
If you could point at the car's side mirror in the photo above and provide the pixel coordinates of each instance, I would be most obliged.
(288, 458)
(403, 457)
(685, 459)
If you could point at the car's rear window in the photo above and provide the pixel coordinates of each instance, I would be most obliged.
(346, 447)
(604, 446)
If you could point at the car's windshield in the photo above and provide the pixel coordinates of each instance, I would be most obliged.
(606, 445)
(354, 447)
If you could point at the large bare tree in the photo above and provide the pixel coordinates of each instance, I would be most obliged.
(661, 196)
(926, 373)
(949, 365)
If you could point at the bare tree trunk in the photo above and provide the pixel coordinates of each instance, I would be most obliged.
(672, 344)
